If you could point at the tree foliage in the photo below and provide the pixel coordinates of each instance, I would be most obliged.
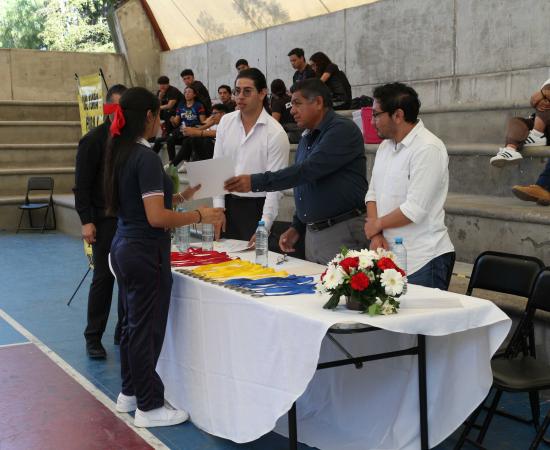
(64, 25)
(21, 23)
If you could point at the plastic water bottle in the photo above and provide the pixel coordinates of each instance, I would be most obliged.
(400, 253)
(182, 235)
(262, 250)
(207, 236)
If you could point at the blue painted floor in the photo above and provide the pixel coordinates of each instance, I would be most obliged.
(38, 274)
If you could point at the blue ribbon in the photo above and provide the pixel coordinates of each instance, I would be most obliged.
(291, 285)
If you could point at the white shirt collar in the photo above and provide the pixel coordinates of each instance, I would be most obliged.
(144, 141)
(409, 138)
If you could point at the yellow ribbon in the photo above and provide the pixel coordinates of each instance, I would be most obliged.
(237, 268)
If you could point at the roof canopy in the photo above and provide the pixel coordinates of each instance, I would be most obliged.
(184, 22)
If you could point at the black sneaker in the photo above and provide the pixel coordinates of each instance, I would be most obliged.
(95, 350)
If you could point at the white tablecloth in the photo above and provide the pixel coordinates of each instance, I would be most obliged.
(237, 364)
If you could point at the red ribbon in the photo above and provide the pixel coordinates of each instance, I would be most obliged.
(118, 120)
(197, 257)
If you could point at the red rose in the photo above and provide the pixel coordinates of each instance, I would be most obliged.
(359, 281)
(386, 263)
(349, 263)
(401, 271)
(323, 274)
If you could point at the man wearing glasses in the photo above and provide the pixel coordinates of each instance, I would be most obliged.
(408, 187)
(256, 142)
(328, 177)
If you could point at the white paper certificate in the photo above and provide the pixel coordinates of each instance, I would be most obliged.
(210, 174)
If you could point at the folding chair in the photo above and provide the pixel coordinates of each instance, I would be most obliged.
(508, 274)
(38, 184)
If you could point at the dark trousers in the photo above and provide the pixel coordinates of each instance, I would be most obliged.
(242, 216)
(101, 289)
(435, 274)
(142, 268)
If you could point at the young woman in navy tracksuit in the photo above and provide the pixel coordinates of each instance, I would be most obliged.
(138, 190)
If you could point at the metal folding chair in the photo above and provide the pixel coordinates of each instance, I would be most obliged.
(508, 274)
(38, 184)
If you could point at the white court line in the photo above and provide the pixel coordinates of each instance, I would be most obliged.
(15, 344)
(145, 434)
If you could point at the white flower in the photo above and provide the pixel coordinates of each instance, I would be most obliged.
(336, 260)
(381, 253)
(365, 261)
(370, 253)
(334, 277)
(392, 281)
(387, 309)
(352, 253)
(378, 301)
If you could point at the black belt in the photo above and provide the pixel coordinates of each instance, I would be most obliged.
(322, 224)
(243, 198)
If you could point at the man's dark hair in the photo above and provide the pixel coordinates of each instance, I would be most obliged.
(118, 89)
(312, 88)
(163, 80)
(240, 62)
(394, 96)
(226, 87)
(258, 78)
(221, 107)
(299, 52)
(186, 72)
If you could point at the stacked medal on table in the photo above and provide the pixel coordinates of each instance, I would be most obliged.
(218, 267)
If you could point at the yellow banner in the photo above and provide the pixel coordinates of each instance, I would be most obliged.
(90, 101)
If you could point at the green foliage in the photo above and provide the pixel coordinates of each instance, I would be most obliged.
(63, 25)
(21, 24)
(77, 25)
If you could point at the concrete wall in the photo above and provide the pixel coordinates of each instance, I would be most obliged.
(454, 52)
(139, 43)
(49, 76)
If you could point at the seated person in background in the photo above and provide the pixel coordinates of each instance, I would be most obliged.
(298, 62)
(334, 78)
(199, 142)
(224, 94)
(280, 103)
(189, 113)
(169, 97)
(241, 64)
(203, 96)
(526, 132)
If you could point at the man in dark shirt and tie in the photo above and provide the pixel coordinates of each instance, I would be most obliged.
(328, 177)
(98, 229)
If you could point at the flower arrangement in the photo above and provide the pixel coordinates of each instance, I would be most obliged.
(370, 279)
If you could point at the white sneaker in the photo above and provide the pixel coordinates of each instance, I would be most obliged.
(160, 417)
(506, 156)
(126, 403)
(535, 139)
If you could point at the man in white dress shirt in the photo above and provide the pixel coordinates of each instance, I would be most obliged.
(257, 143)
(408, 187)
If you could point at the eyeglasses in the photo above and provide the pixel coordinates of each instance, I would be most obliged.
(247, 91)
(376, 114)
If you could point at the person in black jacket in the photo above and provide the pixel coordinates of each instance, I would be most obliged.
(98, 228)
(203, 96)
